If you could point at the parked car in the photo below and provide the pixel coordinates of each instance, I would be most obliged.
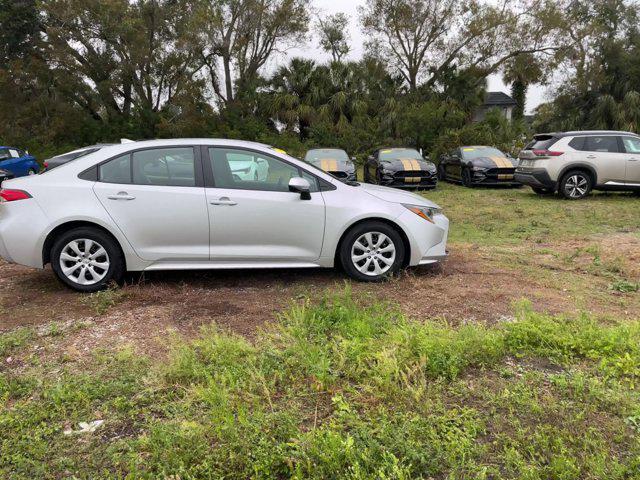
(5, 175)
(176, 204)
(477, 165)
(18, 161)
(248, 167)
(400, 167)
(334, 161)
(63, 158)
(574, 163)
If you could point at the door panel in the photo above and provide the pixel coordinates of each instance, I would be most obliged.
(603, 152)
(260, 220)
(163, 222)
(632, 149)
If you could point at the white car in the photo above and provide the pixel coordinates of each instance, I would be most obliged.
(177, 204)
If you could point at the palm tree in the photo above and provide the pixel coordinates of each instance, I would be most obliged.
(522, 71)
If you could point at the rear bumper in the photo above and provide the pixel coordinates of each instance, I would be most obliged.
(537, 178)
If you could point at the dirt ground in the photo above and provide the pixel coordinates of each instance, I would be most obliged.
(476, 284)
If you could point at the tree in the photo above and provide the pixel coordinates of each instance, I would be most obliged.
(116, 57)
(521, 71)
(422, 38)
(333, 35)
(19, 25)
(239, 37)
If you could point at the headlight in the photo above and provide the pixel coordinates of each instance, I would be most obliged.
(479, 169)
(425, 212)
(431, 167)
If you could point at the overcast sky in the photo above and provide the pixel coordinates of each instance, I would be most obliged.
(350, 7)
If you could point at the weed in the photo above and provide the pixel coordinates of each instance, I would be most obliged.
(101, 302)
(624, 286)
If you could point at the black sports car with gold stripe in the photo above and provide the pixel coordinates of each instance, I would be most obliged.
(477, 165)
(400, 167)
(334, 161)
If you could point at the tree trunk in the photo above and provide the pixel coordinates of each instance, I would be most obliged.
(519, 94)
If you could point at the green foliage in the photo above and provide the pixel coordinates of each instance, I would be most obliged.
(341, 389)
(14, 339)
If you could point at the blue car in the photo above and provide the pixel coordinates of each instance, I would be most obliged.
(18, 162)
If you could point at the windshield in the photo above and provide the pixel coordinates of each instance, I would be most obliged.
(390, 154)
(315, 157)
(469, 153)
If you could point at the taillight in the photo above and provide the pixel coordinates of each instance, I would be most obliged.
(7, 195)
(547, 153)
(46, 165)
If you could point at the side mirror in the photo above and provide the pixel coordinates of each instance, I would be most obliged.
(302, 186)
(353, 159)
(370, 158)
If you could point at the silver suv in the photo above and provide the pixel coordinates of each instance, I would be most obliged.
(574, 163)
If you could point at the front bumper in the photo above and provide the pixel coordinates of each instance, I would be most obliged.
(494, 176)
(537, 178)
(407, 180)
(428, 240)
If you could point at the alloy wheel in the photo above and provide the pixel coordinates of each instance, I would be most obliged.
(576, 186)
(84, 261)
(373, 254)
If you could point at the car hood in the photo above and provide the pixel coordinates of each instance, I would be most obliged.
(400, 165)
(394, 195)
(494, 162)
(331, 165)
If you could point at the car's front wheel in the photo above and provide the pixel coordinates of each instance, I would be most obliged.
(575, 185)
(372, 251)
(87, 259)
(442, 175)
(467, 178)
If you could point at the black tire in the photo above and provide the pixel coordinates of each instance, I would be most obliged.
(575, 185)
(466, 178)
(114, 258)
(542, 191)
(373, 227)
(442, 175)
(32, 171)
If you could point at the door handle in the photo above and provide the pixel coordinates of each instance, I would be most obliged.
(223, 201)
(591, 156)
(121, 196)
(633, 159)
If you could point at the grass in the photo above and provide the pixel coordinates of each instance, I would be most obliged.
(348, 387)
(510, 216)
(337, 390)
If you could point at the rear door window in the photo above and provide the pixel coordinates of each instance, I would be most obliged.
(577, 143)
(164, 166)
(117, 170)
(14, 153)
(603, 143)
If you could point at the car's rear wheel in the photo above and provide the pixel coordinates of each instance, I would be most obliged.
(372, 251)
(31, 171)
(575, 185)
(87, 259)
(542, 191)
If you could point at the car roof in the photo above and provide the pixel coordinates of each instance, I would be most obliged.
(327, 148)
(585, 132)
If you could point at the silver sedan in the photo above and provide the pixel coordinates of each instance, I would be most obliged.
(181, 204)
